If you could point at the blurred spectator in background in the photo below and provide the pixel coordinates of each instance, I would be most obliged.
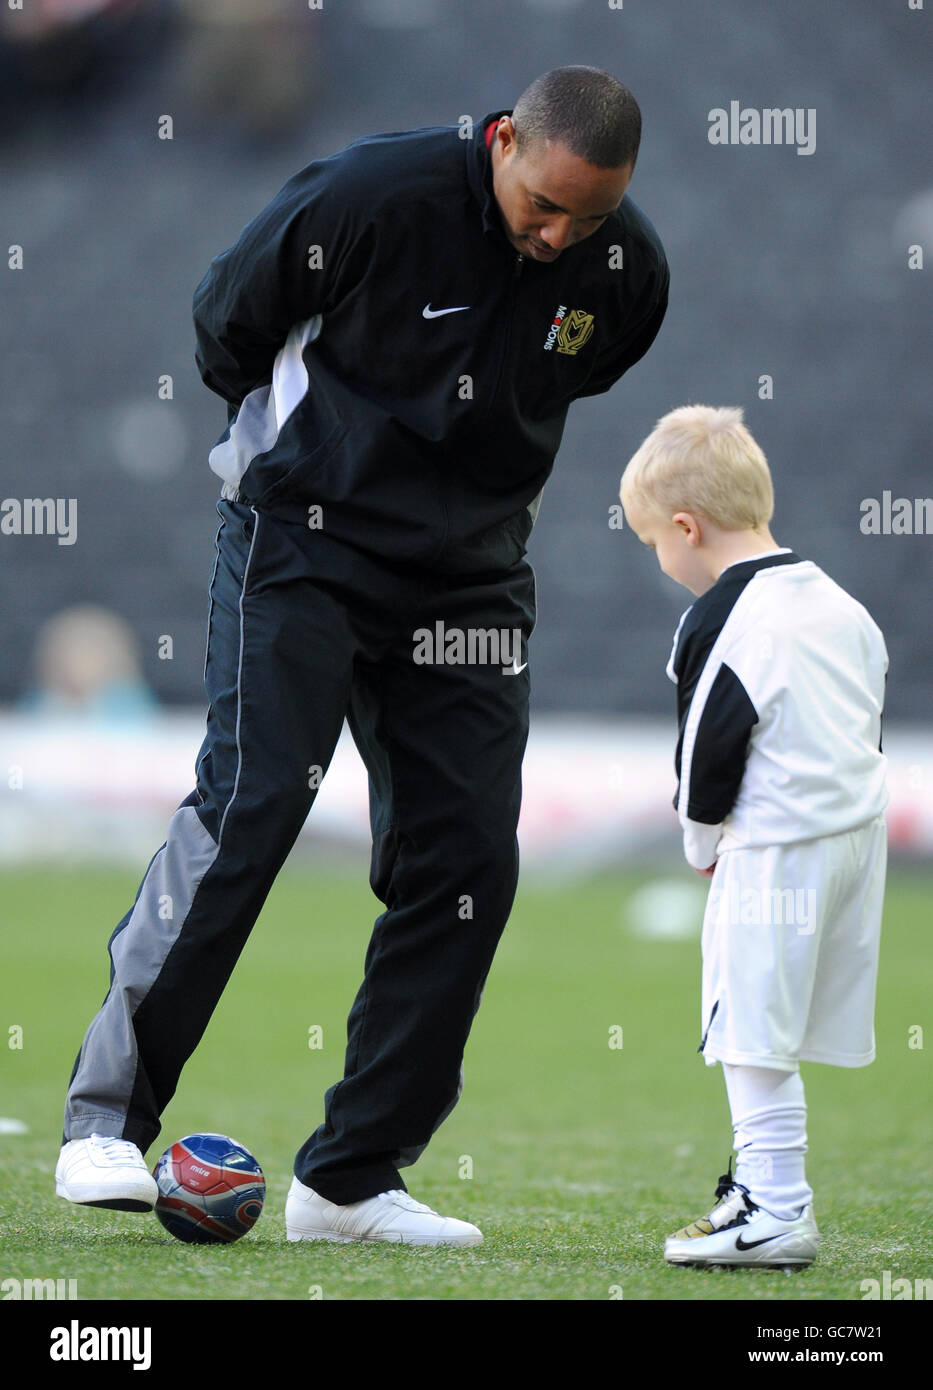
(245, 64)
(242, 66)
(52, 49)
(87, 665)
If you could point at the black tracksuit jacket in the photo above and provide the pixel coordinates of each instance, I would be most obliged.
(424, 438)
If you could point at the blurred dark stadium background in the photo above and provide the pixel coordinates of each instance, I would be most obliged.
(787, 265)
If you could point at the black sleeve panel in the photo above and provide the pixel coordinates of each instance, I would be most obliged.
(701, 626)
(696, 642)
(721, 748)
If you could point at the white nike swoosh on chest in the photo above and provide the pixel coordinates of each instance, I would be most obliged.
(429, 313)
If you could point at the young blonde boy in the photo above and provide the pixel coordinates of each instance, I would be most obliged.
(780, 680)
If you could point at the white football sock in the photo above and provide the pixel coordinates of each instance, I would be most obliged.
(769, 1121)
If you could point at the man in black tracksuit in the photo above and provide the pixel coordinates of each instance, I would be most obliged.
(398, 336)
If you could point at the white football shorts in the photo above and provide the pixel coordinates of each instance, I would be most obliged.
(790, 951)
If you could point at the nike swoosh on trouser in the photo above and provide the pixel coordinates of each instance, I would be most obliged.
(429, 313)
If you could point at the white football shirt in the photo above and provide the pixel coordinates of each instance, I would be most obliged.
(780, 680)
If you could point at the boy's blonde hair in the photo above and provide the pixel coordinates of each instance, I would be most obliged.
(702, 459)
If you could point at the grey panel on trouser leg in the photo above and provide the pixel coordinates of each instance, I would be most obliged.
(105, 1075)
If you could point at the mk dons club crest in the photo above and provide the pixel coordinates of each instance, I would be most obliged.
(569, 330)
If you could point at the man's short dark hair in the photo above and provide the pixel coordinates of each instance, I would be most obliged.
(586, 109)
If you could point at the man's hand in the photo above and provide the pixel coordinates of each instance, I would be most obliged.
(706, 873)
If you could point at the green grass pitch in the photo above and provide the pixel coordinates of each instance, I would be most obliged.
(575, 1158)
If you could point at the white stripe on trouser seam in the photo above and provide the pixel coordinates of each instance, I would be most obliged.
(210, 593)
(239, 679)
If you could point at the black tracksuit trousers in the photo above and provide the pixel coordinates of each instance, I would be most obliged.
(303, 631)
